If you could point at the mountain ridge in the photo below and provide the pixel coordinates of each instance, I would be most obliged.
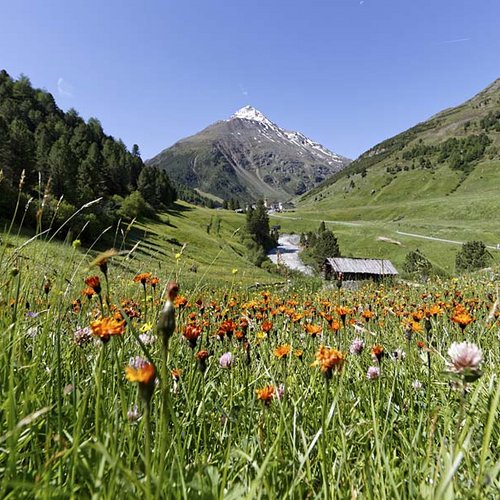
(247, 157)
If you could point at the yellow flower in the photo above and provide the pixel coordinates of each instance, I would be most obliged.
(234, 271)
(146, 327)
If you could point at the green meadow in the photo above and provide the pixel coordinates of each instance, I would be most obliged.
(98, 402)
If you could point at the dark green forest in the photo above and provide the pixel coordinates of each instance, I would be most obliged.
(52, 163)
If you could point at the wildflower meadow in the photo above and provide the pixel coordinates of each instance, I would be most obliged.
(123, 378)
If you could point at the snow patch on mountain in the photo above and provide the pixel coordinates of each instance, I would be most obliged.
(273, 133)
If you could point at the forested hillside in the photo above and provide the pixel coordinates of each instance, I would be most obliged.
(62, 162)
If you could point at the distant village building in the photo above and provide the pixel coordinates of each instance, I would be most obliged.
(354, 269)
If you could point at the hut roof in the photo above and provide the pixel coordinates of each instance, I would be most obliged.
(362, 266)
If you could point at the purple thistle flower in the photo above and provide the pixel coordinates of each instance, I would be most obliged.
(373, 373)
(226, 360)
(280, 391)
(356, 346)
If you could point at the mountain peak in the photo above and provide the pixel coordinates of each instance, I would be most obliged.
(250, 113)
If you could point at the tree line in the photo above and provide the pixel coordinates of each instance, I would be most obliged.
(62, 162)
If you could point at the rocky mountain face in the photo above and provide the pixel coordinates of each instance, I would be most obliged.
(248, 157)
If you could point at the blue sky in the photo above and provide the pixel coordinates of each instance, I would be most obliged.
(347, 73)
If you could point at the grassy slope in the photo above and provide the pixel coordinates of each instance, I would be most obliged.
(441, 202)
(214, 254)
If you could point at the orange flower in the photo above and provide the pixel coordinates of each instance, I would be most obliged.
(191, 333)
(88, 292)
(343, 311)
(153, 281)
(462, 318)
(267, 326)
(299, 353)
(313, 330)
(329, 359)
(377, 352)
(282, 351)
(415, 326)
(105, 327)
(417, 315)
(367, 314)
(434, 310)
(180, 301)
(265, 394)
(143, 372)
(95, 283)
(142, 278)
(334, 325)
(202, 357)
(140, 371)
(176, 374)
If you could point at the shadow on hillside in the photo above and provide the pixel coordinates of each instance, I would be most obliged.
(177, 210)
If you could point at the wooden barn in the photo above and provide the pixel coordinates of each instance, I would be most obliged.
(358, 269)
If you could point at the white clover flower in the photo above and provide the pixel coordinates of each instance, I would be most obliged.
(465, 359)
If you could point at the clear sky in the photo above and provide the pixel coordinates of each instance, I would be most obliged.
(347, 73)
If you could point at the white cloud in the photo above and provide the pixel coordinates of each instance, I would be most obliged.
(243, 90)
(458, 40)
(64, 88)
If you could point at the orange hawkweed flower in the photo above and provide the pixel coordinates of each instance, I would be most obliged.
(143, 372)
(417, 315)
(180, 301)
(377, 352)
(367, 314)
(267, 326)
(142, 278)
(202, 357)
(140, 370)
(153, 282)
(88, 292)
(329, 359)
(191, 334)
(462, 318)
(105, 327)
(313, 330)
(282, 351)
(343, 311)
(266, 394)
(176, 374)
(334, 325)
(95, 283)
(433, 310)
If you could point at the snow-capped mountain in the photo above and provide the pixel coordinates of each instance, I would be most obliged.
(247, 157)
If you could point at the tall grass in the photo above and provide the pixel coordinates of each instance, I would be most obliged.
(72, 426)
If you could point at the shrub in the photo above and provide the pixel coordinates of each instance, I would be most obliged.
(472, 256)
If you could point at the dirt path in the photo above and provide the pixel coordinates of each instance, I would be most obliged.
(441, 239)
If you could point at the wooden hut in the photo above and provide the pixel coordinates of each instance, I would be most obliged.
(358, 269)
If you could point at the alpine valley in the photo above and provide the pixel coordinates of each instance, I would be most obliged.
(248, 157)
